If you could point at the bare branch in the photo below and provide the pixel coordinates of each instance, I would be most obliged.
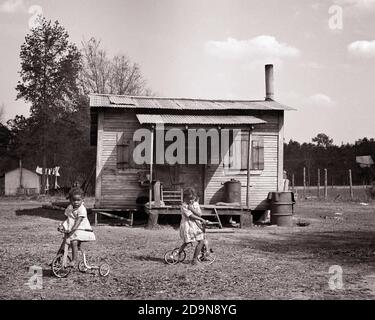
(103, 75)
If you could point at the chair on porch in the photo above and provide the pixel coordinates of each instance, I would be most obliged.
(171, 197)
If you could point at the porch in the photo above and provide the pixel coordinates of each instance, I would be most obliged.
(126, 215)
(208, 211)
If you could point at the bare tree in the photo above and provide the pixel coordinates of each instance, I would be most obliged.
(101, 74)
(95, 73)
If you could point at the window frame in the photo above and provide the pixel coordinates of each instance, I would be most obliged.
(254, 170)
(123, 151)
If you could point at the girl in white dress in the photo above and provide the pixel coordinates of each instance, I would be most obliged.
(77, 225)
(196, 209)
(190, 231)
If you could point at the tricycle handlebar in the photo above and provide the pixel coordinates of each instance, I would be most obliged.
(61, 229)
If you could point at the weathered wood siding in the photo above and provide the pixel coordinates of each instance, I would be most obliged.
(117, 188)
(261, 182)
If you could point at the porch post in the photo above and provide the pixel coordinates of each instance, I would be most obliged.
(248, 168)
(151, 165)
(99, 161)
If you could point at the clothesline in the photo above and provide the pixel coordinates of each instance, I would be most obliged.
(48, 171)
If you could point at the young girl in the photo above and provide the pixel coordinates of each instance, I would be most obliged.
(77, 224)
(196, 209)
(190, 231)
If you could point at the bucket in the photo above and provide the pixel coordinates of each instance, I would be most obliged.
(232, 191)
(281, 208)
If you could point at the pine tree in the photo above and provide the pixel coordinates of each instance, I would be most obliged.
(50, 65)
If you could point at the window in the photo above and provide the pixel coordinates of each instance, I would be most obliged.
(123, 152)
(239, 151)
(257, 154)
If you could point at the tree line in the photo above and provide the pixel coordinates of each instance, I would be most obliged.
(55, 77)
(322, 154)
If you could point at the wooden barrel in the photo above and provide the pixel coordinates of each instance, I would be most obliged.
(282, 208)
(232, 191)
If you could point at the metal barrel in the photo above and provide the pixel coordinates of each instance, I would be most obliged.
(281, 208)
(232, 191)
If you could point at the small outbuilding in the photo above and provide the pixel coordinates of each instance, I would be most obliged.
(21, 181)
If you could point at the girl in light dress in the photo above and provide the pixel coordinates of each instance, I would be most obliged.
(190, 226)
(76, 225)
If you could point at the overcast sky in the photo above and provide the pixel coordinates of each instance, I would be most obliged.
(324, 66)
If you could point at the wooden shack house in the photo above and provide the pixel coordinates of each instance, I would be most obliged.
(122, 182)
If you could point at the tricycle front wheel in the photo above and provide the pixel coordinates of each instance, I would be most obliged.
(58, 268)
(174, 257)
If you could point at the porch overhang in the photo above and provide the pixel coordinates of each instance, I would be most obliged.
(171, 119)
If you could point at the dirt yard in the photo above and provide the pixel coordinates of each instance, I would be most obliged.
(258, 263)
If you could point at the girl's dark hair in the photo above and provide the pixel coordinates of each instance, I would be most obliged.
(74, 192)
(189, 193)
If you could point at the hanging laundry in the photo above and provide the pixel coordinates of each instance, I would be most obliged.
(47, 183)
(48, 171)
(55, 171)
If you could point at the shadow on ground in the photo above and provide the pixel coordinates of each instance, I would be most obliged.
(149, 258)
(47, 272)
(347, 247)
(43, 213)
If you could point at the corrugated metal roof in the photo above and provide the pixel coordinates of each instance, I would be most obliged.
(197, 119)
(135, 102)
(120, 100)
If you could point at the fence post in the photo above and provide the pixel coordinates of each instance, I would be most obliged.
(293, 182)
(351, 184)
(308, 178)
(325, 183)
(304, 182)
(318, 183)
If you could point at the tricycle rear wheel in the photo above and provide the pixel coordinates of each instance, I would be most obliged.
(82, 267)
(104, 269)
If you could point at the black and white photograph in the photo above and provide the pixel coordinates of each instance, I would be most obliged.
(207, 152)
